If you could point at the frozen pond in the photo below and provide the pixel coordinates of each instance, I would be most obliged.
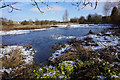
(42, 40)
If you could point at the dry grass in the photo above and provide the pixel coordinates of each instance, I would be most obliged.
(79, 53)
(14, 60)
(23, 27)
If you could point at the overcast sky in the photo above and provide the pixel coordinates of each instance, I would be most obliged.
(55, 11)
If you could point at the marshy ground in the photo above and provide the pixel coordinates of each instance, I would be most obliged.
(93, 56)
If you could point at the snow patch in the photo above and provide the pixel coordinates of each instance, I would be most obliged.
(16, 32)
(59, 52)
(102, 41)
(28, 53)
(59, 37)
(85, 26)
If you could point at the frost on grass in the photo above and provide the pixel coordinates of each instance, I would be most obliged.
(14, 57)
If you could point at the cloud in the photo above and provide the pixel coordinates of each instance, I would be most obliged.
(34, 10)
(52, 9)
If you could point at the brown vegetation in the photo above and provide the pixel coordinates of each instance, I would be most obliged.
(20, 70)
(13, 60)
(22, 27)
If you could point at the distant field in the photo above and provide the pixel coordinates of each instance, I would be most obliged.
(23, 27)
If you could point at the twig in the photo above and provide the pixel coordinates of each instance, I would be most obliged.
(8, 5)
(38, 6)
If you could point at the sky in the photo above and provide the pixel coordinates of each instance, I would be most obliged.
(55, 11)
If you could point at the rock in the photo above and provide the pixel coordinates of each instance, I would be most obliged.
(90, 32)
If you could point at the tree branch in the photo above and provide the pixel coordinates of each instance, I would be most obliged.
(8, 5)
(38, 6)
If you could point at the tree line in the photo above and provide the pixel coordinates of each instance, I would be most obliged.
(37, 22)
(114, 18)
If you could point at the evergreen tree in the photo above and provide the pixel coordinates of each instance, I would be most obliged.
(114, 16)
(89, 18)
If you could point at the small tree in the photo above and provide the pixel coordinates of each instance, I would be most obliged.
(97, 19)
(10, 21)
(106, 19)
(42, 23)
(25, 22)
(30, 22)
(74, 20)
(37, 22)
(3, 23)
(82, 20)
(89, 18)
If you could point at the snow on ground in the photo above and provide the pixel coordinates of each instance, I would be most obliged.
(28, 58)
(104, 41)
(59, 52)
(13, 32)
(24, 51)
(59, 37)
(70, 62)
(85, 26)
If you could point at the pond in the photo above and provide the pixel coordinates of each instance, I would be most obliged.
(43, 40)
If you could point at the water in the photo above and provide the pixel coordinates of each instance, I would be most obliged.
(42, 40)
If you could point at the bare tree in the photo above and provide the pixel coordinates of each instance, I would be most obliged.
(65, 16)
(107, 7)
(119, 8)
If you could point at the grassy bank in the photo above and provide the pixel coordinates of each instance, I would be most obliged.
(22, 27)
